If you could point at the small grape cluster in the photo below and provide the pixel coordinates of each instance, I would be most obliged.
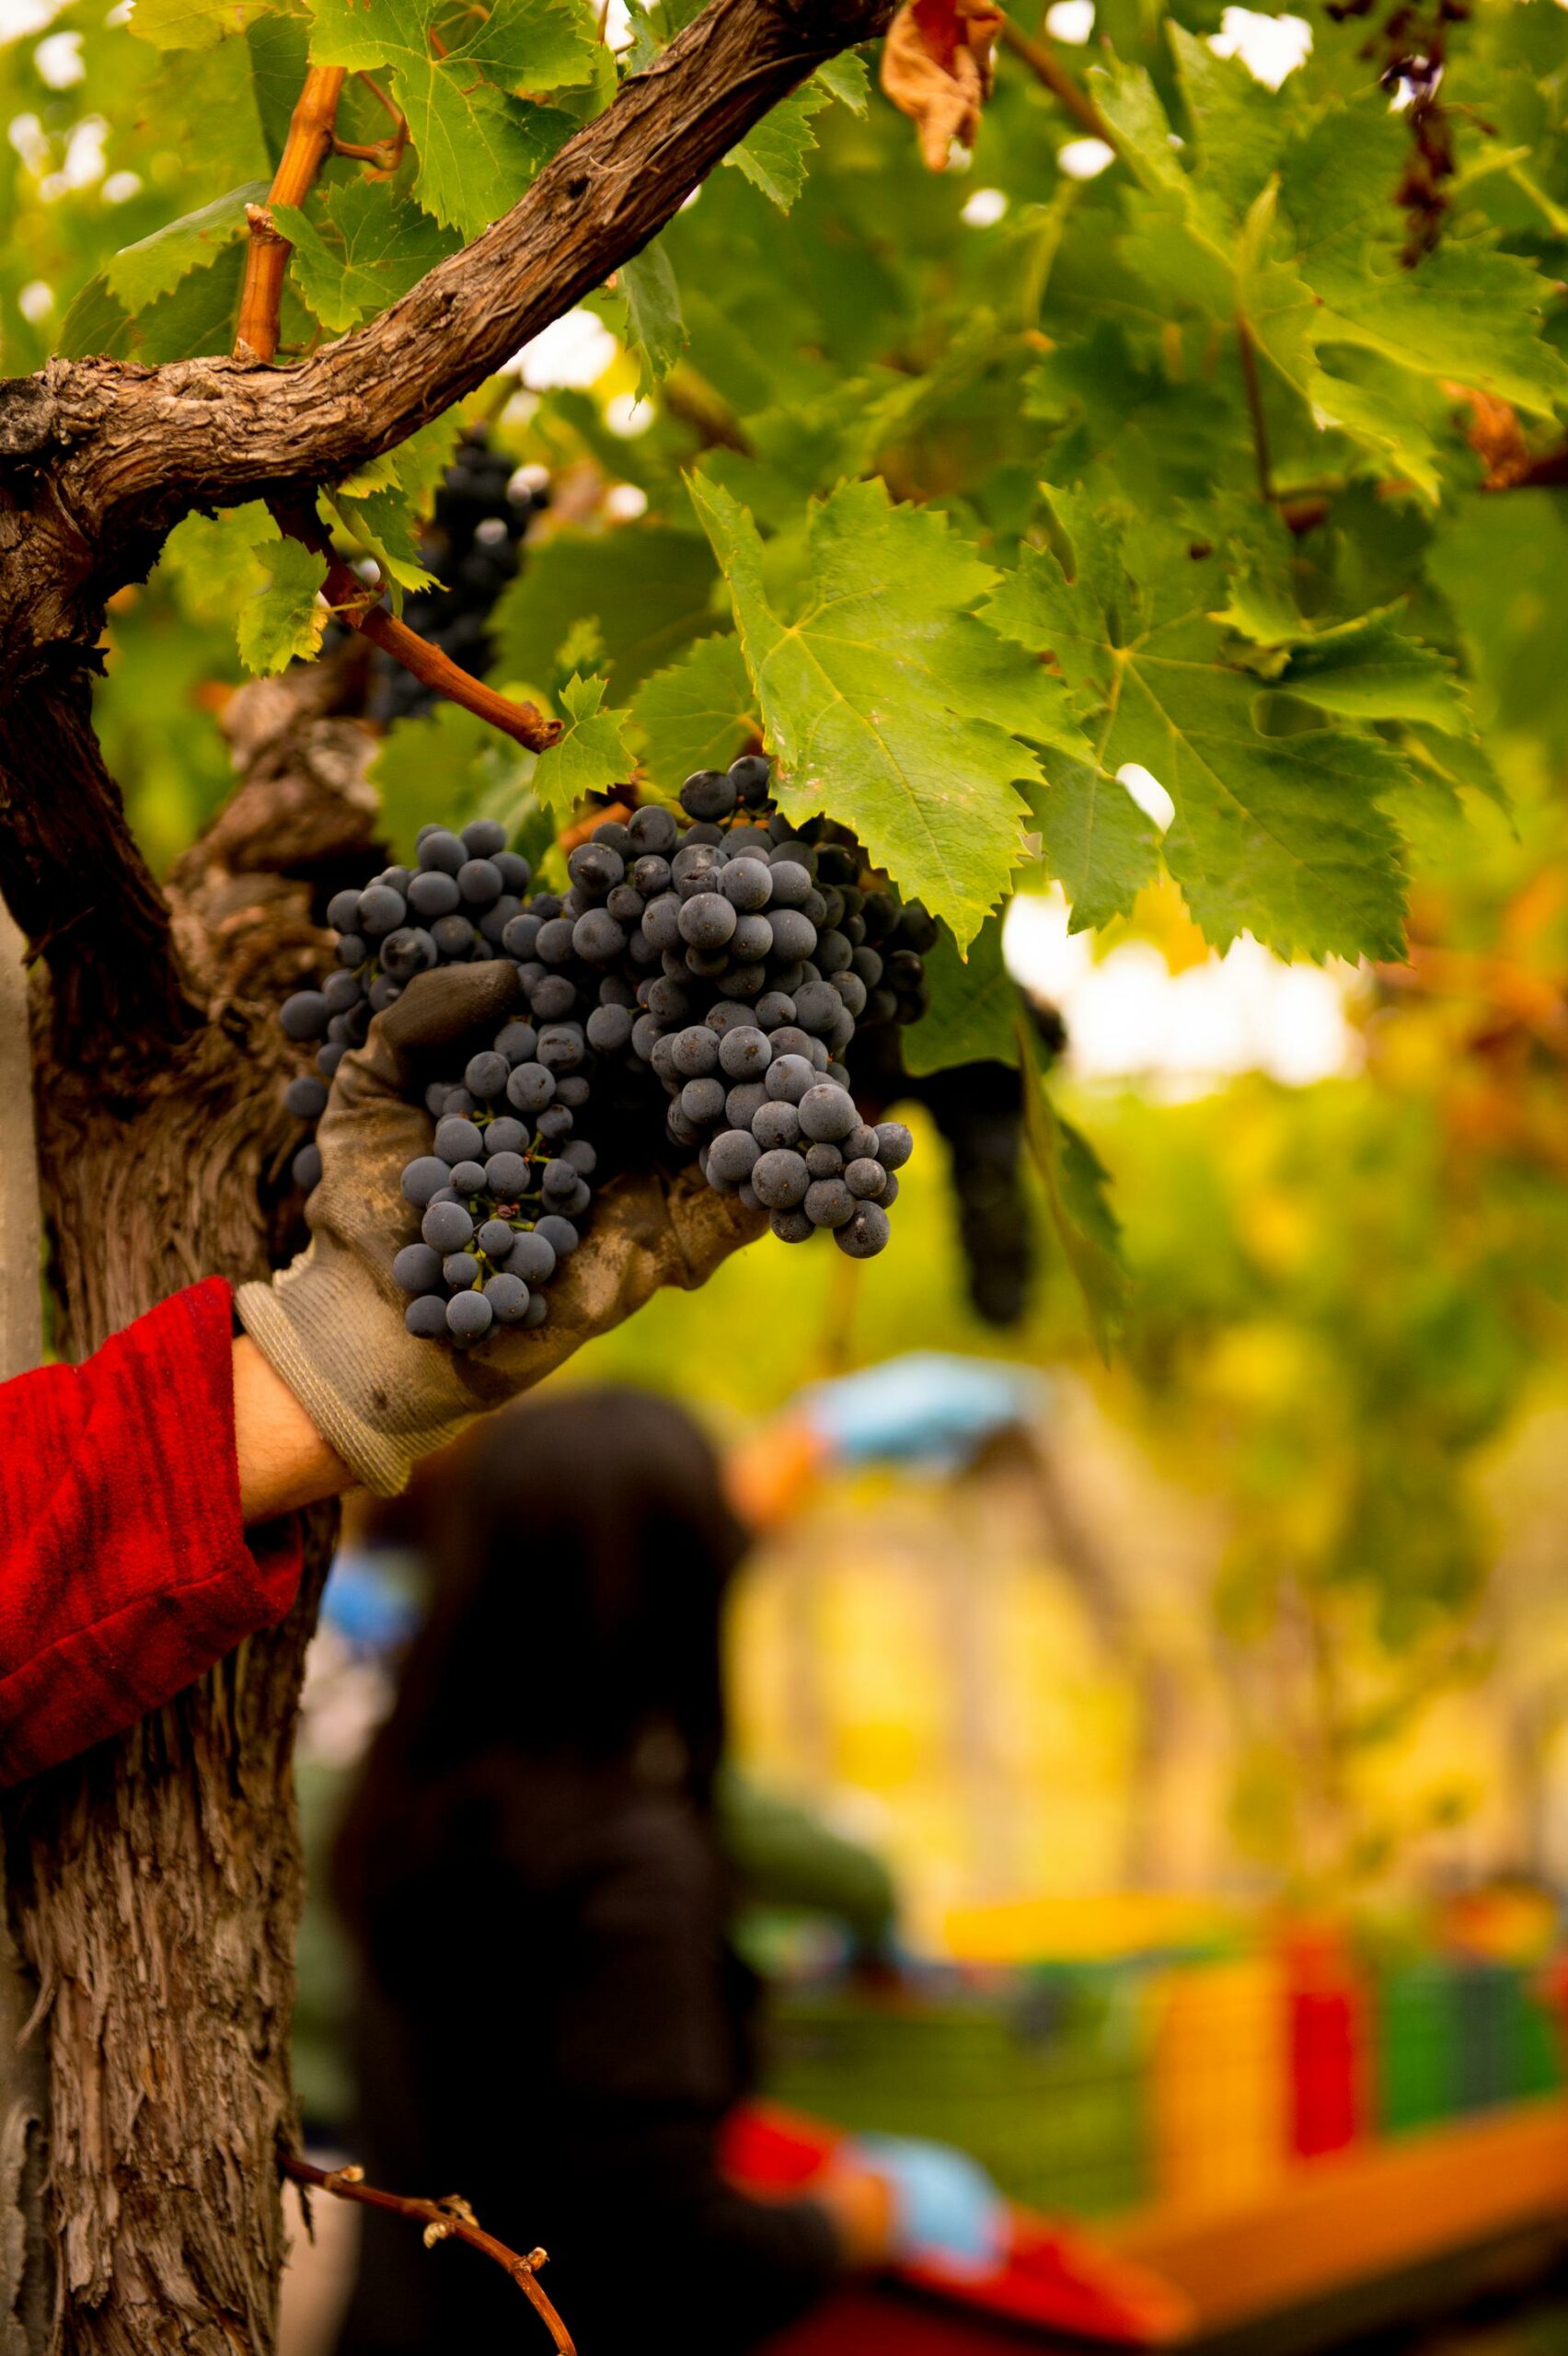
(473, 544)
(500, 1192)
(453, 908)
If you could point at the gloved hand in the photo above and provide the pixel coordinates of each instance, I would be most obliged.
(332, 1326)
(945, 2208)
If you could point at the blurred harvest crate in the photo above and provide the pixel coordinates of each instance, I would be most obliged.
(1091, 2089)
(1042, 2078)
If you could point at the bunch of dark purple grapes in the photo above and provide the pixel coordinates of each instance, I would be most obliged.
(451, 909)
(734, 958)
(500, 1194)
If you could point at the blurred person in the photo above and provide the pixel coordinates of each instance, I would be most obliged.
(553, 2020)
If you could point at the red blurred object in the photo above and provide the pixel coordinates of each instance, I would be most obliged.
(1328, 2047)
(1055, 2278)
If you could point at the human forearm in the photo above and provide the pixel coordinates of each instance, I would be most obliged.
(283, 1461)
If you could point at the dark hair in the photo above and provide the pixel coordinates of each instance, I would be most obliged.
(581, 1550)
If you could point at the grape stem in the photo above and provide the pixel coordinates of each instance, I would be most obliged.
(359, 604)
(448, 2219)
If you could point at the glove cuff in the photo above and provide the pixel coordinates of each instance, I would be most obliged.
(305, 1326)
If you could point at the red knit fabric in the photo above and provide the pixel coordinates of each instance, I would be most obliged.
(124, 1570)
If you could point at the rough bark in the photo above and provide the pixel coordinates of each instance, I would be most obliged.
(25, 2284)
(155, 1883)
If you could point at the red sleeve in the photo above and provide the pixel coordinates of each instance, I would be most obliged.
(124, 1570)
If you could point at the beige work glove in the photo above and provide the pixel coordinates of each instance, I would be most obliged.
(331, 1325)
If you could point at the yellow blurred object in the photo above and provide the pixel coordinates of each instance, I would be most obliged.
(770, 1473)
(1078, 1930)
(1220, 2081)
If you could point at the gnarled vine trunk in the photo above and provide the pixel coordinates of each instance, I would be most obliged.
(154, 1886)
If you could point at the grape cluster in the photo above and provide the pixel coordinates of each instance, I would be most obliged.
(703, 979)
(452, 909)
(734, 958)
(472, 545)
(501, 1189)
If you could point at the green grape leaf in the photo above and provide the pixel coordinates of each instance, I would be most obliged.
(358, 248)
(138, 274)
(1076, 1195)
(648, 588)
(478, 144)
(192, 24)
(975, 1005)
(1095, 842)
(654, 319)
(385, 527)
(699, 713)
(1275, 834)
(884, 699)
(196, 316)
(1465, 312)
(592, 754)
(848, 79)
(1369, 671)
(283, 621)
(214, 560)
(773, 155)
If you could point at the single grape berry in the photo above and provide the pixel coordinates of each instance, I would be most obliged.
(788, 1076)
(469, 1316)
(508, 1298)
(707, 921)
(610, 1029)
(894, 1144)
(780, 1180)
(482, 838)
(775, 1124)
(467, 1178)
(305, 1167)
(709, 793)
(306, 1097)
(864, 1234)
(745, 1053)
(793, 935)
(495, 1238)
(305, 1014)
(505, 1135)
(427, 1317)
(732, 1156)
(443, 849)
(521, 935)
(694, 1052)
(380, 912)
(532, 1257)
(486, 1074)
(557, 1232)
(652, 829)
(515, 871)
(702, 1100)
(743, 1103)
(866, 1179)
(791, 1227)
(447, 1227)
(824, 1161)
(432, 893)
(828, 1111)
(747, 884)
(530, 1088)
(424, 1178)
(581, 1155)
(751, 775)
(453, 937)
(829, 1203)
(506, 1177)
(460, 1270)
(457, 1140)
(342, 911)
